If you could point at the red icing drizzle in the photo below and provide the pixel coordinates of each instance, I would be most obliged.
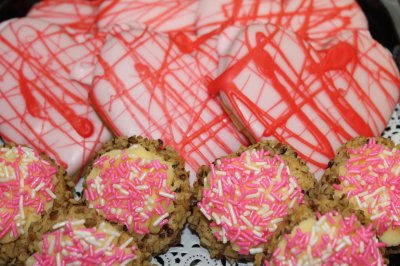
(184, 105)
(316, 21)
(295, 93)
(45, 56)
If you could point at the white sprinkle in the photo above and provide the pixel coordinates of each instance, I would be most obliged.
(51, 246)
(142, 187)
(233, 215)
(219, 187)
(250, 207)
(340, 247)
(361, 247)
(160, 219)
(139, 209)
(257, 233)
(226, 220)
(117, 186)
(237, 175)
(125, 262)
(59, 225)
(124, 191)
(223, 235)
(108, 242)
(21, 207)
(167, 195)
(39, 186)
(51, 194)
(130, 218)
(102, 202)
(248, 166)
(216, 218)
(58, 259)
(276, 220)
(77, 222)
(247, 222)
(126, 243)
(203, 211)
(280, 168)
(111, 232)
(376, 216)
(255, 250)
(143, 176)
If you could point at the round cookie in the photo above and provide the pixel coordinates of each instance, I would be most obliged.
(76, 235)
(30, 185)
(328, 240)
(143, 186)
(364, 179)
(246, 200)
(276, 86)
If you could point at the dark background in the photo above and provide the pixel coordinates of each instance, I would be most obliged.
(380, 26)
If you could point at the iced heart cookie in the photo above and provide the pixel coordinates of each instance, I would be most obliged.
(148, 83)
(315, 21)
(277, 86)
(41, 103)
(165, 16)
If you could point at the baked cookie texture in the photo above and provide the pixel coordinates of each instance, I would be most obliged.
(364, 179)
(205, 223)
(154, 194)
(64, 232)
(32, 184)
(328, 239)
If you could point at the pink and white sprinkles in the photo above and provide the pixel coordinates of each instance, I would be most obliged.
(26, 186)
(372, 180)
(246, 197)
(74, 244)
(333, 240)
(131, 190)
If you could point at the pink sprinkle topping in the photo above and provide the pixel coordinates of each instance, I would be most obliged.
(372, 182)
(86, 246)
(26, 185)
(131, 190)
(333, 240)
(247, 196)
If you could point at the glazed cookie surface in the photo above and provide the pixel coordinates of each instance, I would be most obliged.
(143, 187)
(278, 87)
(364, 178)
(43, 104)
(31, 184)
(164, 93)
(329, 240)
(315, 21)
(246, 199)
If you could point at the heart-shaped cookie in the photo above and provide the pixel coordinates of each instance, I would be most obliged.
(161, 16)
(41, 104)
(152, 84)
(277, 86)
(315, 21)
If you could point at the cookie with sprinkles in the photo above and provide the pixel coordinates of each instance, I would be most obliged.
(77, 235)
(30, 185)
(143, 186)
(364, 178)
(246, 200)
(328, 240)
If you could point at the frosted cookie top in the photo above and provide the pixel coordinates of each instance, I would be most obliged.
(134, 187)
(27, 188)
(330, 240)
(246, 198)
(370, 179)
(74, 244)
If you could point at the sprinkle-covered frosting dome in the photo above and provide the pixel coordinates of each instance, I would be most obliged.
(133, 187)
(27, 186)
(371, 181)
(73, 244)
(330, 240)
(246, 197)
